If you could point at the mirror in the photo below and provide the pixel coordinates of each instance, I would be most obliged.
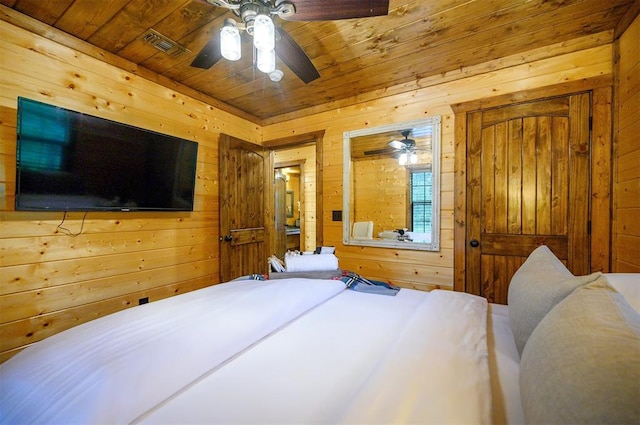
(391, 178)
(289, 217)
(289, 203)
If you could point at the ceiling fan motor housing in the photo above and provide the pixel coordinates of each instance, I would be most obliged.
(248, 12)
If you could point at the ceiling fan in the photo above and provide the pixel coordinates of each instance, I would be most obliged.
(405, 149)
(256, 19)
(405, 144)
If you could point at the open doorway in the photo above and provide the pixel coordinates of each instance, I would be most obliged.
(298, 166)
(303, 151)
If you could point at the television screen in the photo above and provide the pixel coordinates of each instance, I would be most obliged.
(70, 161)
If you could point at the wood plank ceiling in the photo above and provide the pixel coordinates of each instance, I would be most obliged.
(416, 40)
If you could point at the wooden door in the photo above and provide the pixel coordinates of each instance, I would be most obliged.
(244, 235)
(528, 183)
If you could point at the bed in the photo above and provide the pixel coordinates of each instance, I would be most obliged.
(292, 351)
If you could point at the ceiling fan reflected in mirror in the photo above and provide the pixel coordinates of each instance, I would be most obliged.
(406, 147)
(256, 18)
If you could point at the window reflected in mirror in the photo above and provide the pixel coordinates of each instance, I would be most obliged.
(391, 181)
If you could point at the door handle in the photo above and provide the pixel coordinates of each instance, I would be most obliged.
(474, 243)
(228, 238)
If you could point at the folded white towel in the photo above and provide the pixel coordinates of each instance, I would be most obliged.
(310, 263)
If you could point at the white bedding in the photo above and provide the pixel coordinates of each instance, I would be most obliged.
(628, 284)
(415, 358)
(114, 369)
(504, 366)
(282, 351)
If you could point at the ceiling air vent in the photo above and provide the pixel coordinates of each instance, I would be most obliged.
(163, 43)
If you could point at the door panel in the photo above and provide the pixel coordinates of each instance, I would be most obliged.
(243, 216)
(527, 185)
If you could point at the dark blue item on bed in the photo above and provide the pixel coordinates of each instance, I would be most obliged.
(358, 283)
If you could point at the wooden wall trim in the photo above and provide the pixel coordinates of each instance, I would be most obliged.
(577, 86)
(601, 178)
(296, 139)
(460, 202)
(614, 154)
(319, 191)
(627, 19)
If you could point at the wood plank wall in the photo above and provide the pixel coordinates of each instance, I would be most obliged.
(380, 193)
(50, 281)
(587, 57)
(626, 182)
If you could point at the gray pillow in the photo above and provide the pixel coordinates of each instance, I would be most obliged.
(537, 286)
(581, 364)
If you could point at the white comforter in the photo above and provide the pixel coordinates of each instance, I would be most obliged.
(313, 353)
(359, 358)
(114, 369)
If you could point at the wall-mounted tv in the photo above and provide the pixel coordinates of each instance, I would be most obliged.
(70, 161)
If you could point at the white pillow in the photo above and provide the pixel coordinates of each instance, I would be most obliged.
(537, 286)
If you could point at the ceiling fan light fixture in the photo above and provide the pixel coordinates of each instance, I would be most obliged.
(276, 75)
(264, 33)
(266, 60)
(413, 158)
(403, 158)
(230, 44)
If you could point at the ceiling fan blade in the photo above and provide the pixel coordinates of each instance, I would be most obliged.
(379, 151)
(295, 58)
(320, 10)
(397, 144)
(210, 53)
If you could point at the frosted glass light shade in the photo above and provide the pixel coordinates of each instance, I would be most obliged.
(403, 159)
(266, 60)
(264, 33)
(413, 158)
(276, 75)
(230, 46)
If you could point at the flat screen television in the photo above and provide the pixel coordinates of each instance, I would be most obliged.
(70, 161)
